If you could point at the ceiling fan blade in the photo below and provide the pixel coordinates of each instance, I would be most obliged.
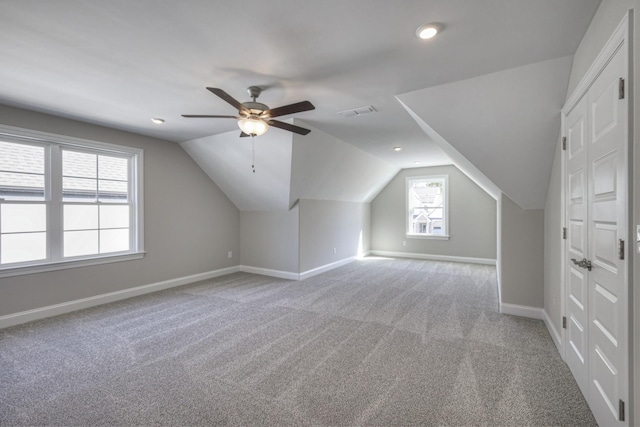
(288, 109)
(286, 126)
(201, 116)
(230, 99)
(244, 135)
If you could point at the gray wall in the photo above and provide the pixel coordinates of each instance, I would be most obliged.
(303, 238)
(472, 218)
(325, 225)
(521, 276)
(190, 225)
(270, 240)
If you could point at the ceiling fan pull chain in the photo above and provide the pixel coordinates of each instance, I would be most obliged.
(253, 155)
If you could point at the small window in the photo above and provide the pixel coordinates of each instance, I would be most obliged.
(61, 203)
(427, 202)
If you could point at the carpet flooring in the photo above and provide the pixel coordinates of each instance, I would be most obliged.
(375, 342)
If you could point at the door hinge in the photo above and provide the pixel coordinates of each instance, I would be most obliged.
(621, 89)
(564, 322)
(620, 249)
(564, 142)
(564, 233)
(621, 410)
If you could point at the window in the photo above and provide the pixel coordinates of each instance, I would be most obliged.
(67, 202)
(427, 202)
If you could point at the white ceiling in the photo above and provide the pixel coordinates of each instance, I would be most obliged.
(289, 167)
(120, 62)
(505, 126)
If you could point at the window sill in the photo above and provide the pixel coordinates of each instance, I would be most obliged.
(63, 265)
(428, 237)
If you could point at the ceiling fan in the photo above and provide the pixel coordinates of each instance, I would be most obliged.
(254, 118)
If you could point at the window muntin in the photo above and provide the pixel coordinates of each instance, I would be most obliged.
(89, 181)
(427, 200)
(87, 176)
(64, 202)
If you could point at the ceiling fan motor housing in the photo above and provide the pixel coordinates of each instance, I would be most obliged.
(256, 107)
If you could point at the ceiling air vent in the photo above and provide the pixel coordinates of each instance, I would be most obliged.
(357, 111)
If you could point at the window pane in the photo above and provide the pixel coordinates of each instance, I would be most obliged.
(426, 202)
(113, 168)
(23, 247)
(21, 171)
(114, 216)
(81, 165)
(20, 186)
(79, 189)
(78, 243)
(80, 217)
(16, 157)
(20, 218)
(114, 240)
(113, 191)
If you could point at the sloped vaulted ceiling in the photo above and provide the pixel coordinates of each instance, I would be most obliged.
(507, 124)
(289, 167)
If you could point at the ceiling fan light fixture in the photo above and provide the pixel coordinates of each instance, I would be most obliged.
(428, 31)
(253, 126)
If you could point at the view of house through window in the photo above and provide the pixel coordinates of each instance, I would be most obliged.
(427, 206)
(60, 203)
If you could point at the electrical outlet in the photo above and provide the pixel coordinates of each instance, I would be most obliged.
(404, 243)
(335, 251)
(229, 254)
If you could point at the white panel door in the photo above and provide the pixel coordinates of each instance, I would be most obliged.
(607, 223)
(576, 289)
(596, 282)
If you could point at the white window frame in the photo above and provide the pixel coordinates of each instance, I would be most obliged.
(445, 214)
(55, 143)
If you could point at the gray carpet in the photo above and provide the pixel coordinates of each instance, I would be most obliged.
(376, 342)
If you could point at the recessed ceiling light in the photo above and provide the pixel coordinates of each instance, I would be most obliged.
(397, 148)
(428, 31)
(157, 121)
(417, 162)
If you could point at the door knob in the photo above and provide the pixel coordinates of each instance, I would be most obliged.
(584, 263)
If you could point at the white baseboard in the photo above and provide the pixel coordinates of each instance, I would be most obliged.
(555, 335)
(270, 272)
(79, 304)
(521, 310)
(298, 276)
(326, 267)
(486, 261)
